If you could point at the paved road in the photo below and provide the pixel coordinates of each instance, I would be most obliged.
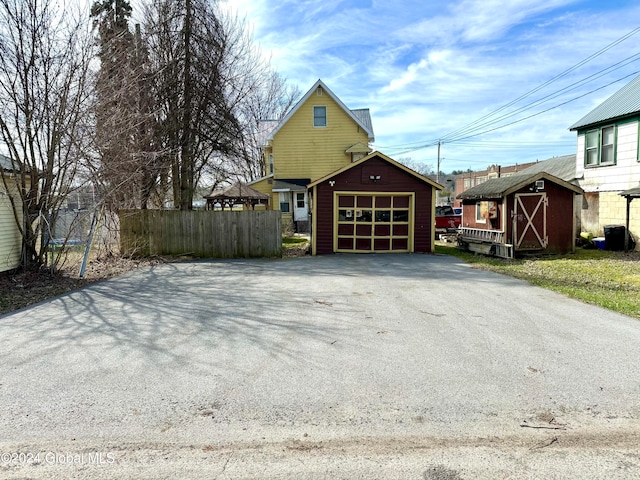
(376, 366)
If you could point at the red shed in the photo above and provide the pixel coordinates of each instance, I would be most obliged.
(523, 213)
(373, 205)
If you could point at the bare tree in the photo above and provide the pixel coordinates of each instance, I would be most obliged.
(267, 103)
(44, 95)
(187, 47)
(127, 161)
(212, 89)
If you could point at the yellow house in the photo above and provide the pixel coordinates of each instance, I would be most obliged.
(318, 136)
(10, 237)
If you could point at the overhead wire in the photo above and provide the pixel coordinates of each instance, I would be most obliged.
(474, 128)
(556, 94)
(544, 84)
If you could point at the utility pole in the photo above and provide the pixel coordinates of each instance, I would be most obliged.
(438, 170)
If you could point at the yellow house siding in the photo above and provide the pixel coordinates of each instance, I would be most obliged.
(10, 240)
(301, 150)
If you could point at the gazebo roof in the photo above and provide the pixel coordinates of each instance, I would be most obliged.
(238, 191)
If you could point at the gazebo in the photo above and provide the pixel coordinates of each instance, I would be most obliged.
(238, 193)
(630, 194)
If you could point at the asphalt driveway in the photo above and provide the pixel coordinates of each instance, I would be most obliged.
(373, 366)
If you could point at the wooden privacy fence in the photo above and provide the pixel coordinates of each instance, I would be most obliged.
(205, 234)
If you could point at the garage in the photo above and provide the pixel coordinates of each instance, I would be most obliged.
(374, 205)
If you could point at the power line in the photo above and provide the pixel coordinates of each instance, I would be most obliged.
(548, 109)
(551, 96)
(548, 82)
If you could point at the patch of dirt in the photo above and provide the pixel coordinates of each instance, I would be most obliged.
(296, 251)
(21, 289)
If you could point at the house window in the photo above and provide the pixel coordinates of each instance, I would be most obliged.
(299, 200)
(599, 146)
(319, 116)
(467, 183)
(271, 163)
(284, 202)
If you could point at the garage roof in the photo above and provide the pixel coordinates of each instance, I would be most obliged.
(381, 156)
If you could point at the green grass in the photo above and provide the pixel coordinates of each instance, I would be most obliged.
(293, 241)
(608, 279)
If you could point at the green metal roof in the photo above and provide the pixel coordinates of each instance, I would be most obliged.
(623, 103)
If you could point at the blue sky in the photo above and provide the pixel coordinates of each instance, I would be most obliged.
(427, 69)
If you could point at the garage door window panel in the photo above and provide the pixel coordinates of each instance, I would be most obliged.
(383, 230)
(346, 201)
(363, 230)
(363, 244)
(381, 244)
(400, 230)
(345, 243)
(400, 244)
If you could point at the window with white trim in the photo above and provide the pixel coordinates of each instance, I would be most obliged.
(285, 199)
(319, 116)
(600, 146)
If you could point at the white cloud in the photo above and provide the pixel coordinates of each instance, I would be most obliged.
(427, 70)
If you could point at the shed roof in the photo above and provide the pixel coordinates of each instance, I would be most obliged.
(383, 157)
(238, 190)
(503, 186)
(563, 167)
(623, 103)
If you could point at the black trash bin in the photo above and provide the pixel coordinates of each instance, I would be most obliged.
(614, 237)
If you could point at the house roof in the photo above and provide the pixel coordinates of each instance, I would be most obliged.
(361, 116)
(238, 190)
(364, 116)
(290, 185)
(503, 186)
(623, 103)
(382, 156)
(563, 167)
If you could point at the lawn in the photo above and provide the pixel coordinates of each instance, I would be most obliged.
(608, 279)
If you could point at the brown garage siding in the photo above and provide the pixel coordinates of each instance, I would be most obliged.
(356, 179)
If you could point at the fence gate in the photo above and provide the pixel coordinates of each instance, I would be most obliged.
(530, 221)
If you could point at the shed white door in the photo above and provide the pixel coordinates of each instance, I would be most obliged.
(530, 221)
(370, 222)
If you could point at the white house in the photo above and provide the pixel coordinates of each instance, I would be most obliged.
(608, 160)
(10, 238)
